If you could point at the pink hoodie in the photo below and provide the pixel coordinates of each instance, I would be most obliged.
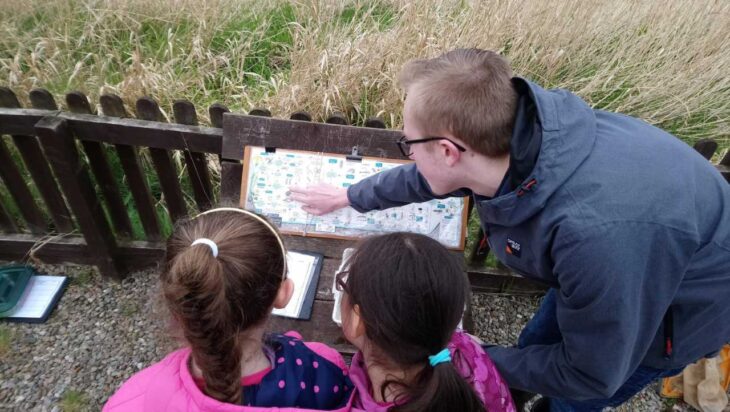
(470, 361)
(169, 386)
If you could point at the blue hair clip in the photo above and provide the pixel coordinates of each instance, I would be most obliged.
(441, 357)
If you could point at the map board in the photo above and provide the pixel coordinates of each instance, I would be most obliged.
(267, 177)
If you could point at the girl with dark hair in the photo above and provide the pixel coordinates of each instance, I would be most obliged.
(403, 297)
(224, 272)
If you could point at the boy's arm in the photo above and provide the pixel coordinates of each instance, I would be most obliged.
(399, 186)
(395, 187)
(616, 283)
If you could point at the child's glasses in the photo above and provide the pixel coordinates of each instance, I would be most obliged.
(341, 280)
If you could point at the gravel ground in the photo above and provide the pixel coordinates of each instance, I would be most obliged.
(102, 332)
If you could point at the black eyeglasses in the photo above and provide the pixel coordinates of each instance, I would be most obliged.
(405, 145)
(341, 280)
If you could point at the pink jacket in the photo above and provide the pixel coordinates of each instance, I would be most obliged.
(469, 359)
(168, 386)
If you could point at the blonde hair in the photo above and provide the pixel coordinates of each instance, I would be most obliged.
(466, 92)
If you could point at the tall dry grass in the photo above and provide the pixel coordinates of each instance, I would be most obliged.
(666, 62)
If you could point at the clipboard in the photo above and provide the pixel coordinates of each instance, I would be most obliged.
(304, 269)
(37, 302)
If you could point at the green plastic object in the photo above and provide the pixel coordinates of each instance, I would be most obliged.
(13, 279)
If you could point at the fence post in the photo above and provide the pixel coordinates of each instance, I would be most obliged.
(60, 148)
(231, 169)
(113, 106)
(6, 222)
(77, 102)
(706, 147)
(147, 109)
(14, 181)
(197, 164)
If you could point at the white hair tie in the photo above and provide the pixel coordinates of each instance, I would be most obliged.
(255, 216)
(211, 244)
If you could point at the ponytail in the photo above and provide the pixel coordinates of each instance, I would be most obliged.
(439, 388)
(199, 303)
(205, 287)
(411, 292)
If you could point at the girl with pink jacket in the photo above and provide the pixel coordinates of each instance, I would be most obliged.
(404, 296)
(224, 272)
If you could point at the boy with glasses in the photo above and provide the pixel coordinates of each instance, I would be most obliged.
(628, 225)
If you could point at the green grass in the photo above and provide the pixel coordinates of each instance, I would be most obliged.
(665, 67)
(380, 14)
(83, 277)
(129, 309)
(74, 401)
(6, 340)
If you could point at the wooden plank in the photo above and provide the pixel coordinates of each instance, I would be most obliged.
(326, 277)
(148, 109)
(197, 165)
(20, 121)
(95, 152)
(37, 165)
(706, 147)
(231, 171)
(483, 279)
(724, 171)
(320, 327)
(215, 111)
(231, 175)
(724, 166)
(134, 255)
(331, 248)
(138, 132)
(375, 122)
(6, 222)
(301, 116)
(60, 149)
(8, 98)
(338, 118)
(42, 99)
(112, 105)
(241, 130)
(32, 215)
(260, 111)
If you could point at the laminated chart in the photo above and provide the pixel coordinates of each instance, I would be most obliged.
(267, 177)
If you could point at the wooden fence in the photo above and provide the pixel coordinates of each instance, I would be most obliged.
(70, 207)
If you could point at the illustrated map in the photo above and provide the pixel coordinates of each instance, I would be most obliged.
(268, 176)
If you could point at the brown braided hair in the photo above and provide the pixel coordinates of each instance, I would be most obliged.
(215, 299)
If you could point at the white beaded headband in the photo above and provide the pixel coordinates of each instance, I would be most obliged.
(214, 248)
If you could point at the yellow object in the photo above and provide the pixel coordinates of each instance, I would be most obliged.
(703, 384)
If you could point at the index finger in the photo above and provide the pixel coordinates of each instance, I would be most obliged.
(299, 189)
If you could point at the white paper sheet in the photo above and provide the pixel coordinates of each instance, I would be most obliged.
(301, 270)
(38, 295)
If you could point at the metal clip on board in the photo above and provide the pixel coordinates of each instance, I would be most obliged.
(354, 155)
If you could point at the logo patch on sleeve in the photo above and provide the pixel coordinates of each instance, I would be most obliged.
(513, 248)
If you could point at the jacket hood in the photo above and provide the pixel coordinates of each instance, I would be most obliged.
(564, 126)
